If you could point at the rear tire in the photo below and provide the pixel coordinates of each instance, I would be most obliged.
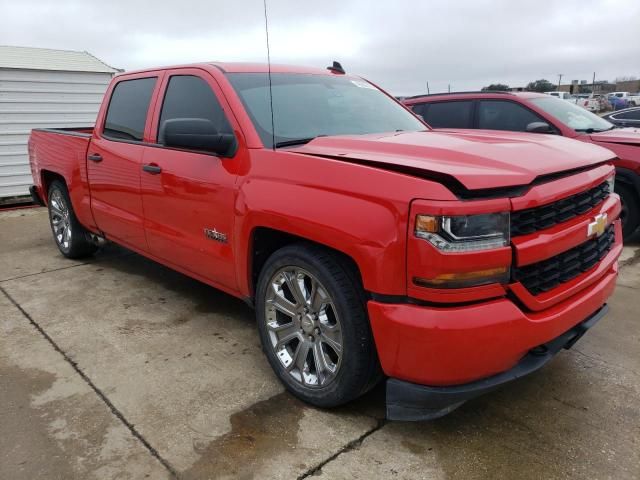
(630, 210)
(316, 334)
(72, 239)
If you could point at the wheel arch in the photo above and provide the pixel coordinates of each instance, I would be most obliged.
(47, 177)
(628, 177)
(265, 241)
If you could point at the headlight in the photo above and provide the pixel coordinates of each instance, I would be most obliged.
(464, 233)
(611, 181)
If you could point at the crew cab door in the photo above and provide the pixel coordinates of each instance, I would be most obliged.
(114, 161)
(188, 195)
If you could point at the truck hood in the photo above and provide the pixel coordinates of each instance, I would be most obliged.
(629, 136)
(476, 159)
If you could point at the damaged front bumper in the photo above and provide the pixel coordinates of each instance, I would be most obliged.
(412, 402)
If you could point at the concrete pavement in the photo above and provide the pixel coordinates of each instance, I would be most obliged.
(120, 368)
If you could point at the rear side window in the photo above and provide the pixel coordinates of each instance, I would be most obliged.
(189, 96)
(449, 114)
(501, 115)
(630, 115)
(128, 107)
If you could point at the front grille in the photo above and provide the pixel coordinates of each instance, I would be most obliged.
(531, 220)
(543, 276)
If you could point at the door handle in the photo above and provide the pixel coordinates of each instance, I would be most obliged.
(153, 169)
(96, 157)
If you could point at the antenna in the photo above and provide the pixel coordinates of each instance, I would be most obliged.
(266, 29)
(336, 68)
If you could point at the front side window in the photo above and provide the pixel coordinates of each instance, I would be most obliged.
(188, 96)
(128, 108)
(306, 106)
(505, 115)
(454, 114)
(420, 108)
(572, 115)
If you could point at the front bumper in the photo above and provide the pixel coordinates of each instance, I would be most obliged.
(410, 402)
(462, 346)
(457, 344)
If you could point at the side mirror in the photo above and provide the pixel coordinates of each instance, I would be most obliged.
(539, 127)
(197, 134)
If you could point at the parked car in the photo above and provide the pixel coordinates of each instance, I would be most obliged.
(593, 103)
(536, 112)
(562, 96)
(632, 99)
(629, 117)
(453, 263)
(604, 101)
(618, 103)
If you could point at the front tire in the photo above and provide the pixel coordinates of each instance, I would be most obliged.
(630, 210)
(313, 325)
(71, 238)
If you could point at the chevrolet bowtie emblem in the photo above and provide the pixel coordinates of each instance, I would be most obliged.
(598, 226)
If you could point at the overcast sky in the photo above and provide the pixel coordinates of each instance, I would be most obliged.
(398, 44)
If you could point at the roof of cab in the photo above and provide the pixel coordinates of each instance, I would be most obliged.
(479, 94)
(232, 67)
(237, 67)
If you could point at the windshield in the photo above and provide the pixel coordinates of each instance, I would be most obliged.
(572, 115)
(306, 106)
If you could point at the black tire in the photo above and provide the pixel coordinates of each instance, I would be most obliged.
(76, 243)
(359, 368)
(630, 209)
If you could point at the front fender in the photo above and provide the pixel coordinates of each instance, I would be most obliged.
(370, 231)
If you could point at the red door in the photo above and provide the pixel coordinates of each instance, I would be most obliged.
(114, 162)
(189, 196)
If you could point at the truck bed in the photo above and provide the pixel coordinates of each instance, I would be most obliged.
(75, 131)
(62, 152)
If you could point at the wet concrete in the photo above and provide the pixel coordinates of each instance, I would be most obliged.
(180, 363)
(52, 425)
(22, 245)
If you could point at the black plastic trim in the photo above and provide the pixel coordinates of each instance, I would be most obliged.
(66, 131)
(547, 215)
(411, 402)
(35, 196)
(628, 177)
(404, 299)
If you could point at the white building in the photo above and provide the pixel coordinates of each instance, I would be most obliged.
(43, 88)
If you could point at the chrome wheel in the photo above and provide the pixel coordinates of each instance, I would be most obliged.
(303, 327)
(60, 219)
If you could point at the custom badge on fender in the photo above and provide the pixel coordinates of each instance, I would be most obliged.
(598, 226)
(215, 235)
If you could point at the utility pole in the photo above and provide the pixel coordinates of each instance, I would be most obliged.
(428, 92)
(593, 84)
(449, 88)
(559, 80)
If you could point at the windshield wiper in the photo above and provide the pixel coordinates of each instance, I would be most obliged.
(595, 130)
(297, 141)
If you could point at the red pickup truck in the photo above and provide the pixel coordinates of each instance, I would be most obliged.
(451, 263)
